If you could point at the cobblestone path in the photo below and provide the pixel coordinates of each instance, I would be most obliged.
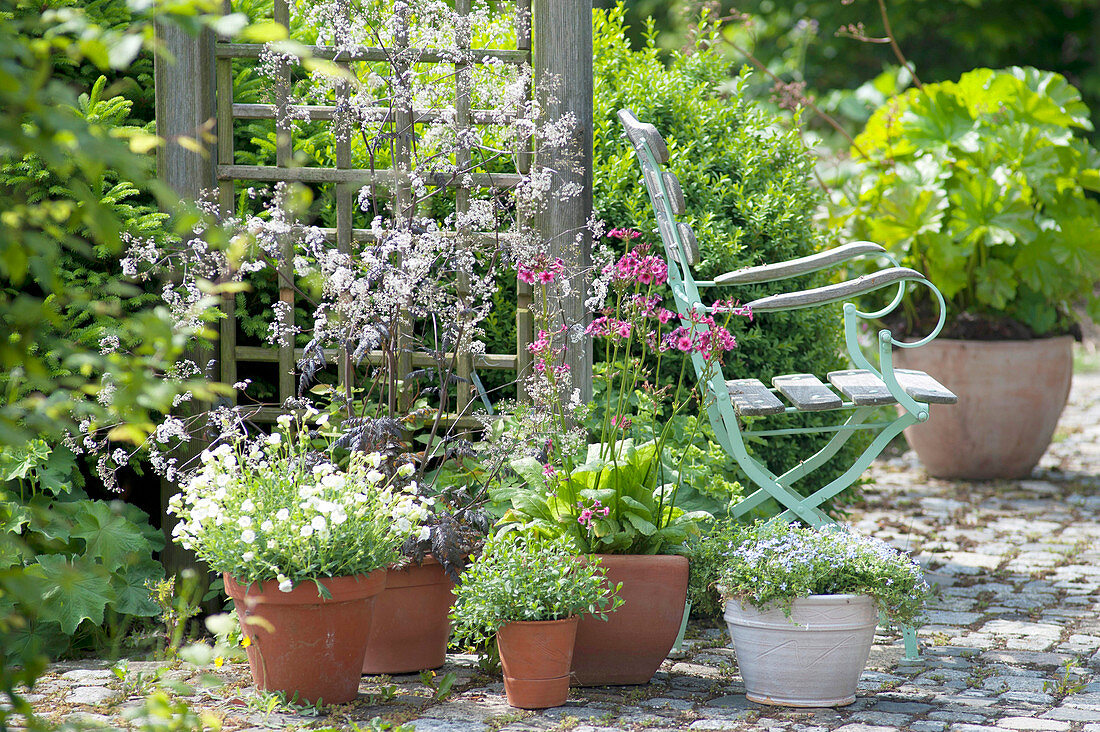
(1012, 644)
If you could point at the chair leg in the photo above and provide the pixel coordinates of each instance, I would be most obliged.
(912, 648)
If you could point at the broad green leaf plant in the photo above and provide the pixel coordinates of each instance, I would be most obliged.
(984, 185)
(612, 503)
(88, 560)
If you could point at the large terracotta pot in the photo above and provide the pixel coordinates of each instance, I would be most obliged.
(535, 656)
(302, 644)
(411, 628)
(812, 658)
(630, 646)
(1011, 394)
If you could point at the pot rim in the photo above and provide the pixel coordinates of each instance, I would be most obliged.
(570, 619)
(345, 588)
(996, 342)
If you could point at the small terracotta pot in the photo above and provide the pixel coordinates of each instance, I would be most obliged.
(411, 628)
(630, 646)
(302, 644)
(1011, 394)
(536, 656)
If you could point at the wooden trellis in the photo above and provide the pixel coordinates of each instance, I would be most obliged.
(348, 179)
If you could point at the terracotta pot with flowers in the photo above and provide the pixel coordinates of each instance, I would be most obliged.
(529, 591)
(802, 608)
(302, 538)
(617, 498)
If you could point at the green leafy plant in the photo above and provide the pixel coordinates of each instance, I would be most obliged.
(609, 504)
(708, 552)
(773, 563)
(528, 577)
(442, 686)
(1072, 680)
(178, 604)
(983, 185)
(92, 558)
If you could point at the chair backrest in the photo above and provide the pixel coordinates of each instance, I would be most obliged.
(682, 252)
(667, 196)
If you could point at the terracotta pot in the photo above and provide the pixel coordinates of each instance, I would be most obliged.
(812, 658)
(303, 644)
(410, 628)
(630, 646)
(1011, 394)
(536, 656)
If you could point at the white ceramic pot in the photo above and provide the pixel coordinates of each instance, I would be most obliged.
(812, 658)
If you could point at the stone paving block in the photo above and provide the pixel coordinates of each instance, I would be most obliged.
(899, 707)
(428, 724)
(660, 703)
(1070, 714)
(1027, 697)
(714, 725)
(953, 617)
(88, 719)
(967, 727)
(1027, 658)
(1083, 701)
(954, 716)
(89, 676)
(90, 695)
(886, 719)
(858, 727)
(1015, 683)
(1029, 724)
(461, 709)
(927, 725)
(557, 714)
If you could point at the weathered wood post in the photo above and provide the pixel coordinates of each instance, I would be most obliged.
(183, 77)
(562, 61)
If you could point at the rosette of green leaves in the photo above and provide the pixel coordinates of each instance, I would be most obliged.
(982, 185)
(773, 563)
(526, 576)
(642, 516)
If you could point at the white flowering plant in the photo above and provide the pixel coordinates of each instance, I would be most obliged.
(771, 564)
(277, 507)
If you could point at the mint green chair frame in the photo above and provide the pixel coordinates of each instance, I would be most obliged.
(910, 391)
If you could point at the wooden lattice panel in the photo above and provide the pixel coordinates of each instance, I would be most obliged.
(347, 179)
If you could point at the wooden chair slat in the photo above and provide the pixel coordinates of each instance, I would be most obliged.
(862, 387)
(923, 387)
(675, 193)
(691, 246)
(752, 399)
(806, 392)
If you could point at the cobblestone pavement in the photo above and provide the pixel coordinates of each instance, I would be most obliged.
(1012, 643)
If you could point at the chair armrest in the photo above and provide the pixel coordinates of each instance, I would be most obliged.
(802, 265)
(835, 293)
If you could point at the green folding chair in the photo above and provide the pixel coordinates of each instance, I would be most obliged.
(855, 395)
